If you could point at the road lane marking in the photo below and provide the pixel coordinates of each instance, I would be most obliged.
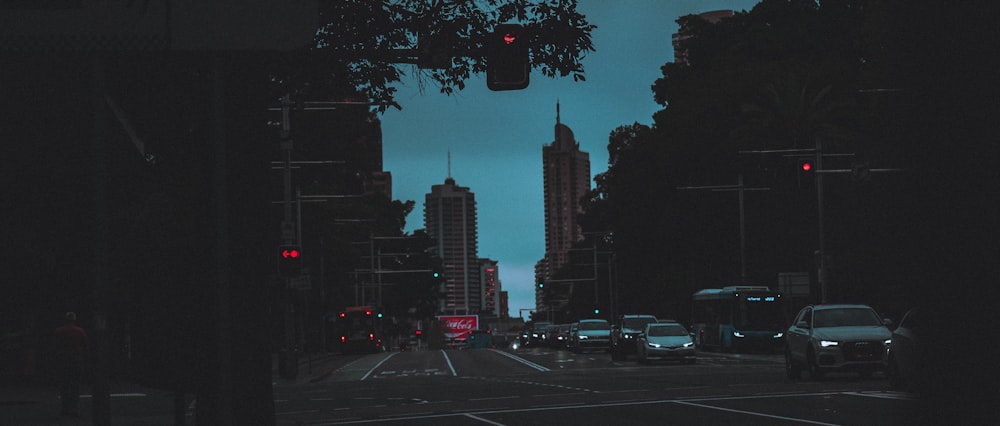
(369, 373)
(483, 420)
(885, 395)
(521, 360)
(495, 397)
(772, 416)
(578, 406)
(448, 360)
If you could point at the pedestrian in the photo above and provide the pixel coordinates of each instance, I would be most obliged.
(69, 346)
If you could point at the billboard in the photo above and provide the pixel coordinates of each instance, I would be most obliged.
(458, 326)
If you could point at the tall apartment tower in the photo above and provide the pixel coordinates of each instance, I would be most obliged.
(450, 218)
(566, 175)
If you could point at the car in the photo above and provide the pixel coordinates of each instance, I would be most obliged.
(905, 357)
(665, 340)
(591, 334)
(535, 335)
(552, 336)
(574, 331)
(837, 337)
(625, 332)
(560, 337)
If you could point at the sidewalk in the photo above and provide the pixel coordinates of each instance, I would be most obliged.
(34, 400)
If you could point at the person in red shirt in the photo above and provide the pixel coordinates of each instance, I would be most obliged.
(69, 347)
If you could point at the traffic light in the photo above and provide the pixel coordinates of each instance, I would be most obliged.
(806, 172)
(289, 261)
(508, 65)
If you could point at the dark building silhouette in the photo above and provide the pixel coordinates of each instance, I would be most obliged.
(566, 175)
(450, 218)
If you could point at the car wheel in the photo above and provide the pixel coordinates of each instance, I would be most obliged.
(815, 372)
(792, 369)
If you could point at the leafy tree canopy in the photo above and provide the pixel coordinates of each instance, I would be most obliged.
(363, 47)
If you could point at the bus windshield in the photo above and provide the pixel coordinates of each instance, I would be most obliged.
(758, 315)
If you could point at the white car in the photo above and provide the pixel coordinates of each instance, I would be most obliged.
(665, 340)
(825, 338)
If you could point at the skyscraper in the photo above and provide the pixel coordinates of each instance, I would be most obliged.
(450, 218)
(566, 175)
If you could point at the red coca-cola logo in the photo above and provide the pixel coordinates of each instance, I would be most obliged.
(459, 326)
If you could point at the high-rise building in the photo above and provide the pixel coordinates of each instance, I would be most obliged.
(566, 175)
(489, 272)
(450, 218)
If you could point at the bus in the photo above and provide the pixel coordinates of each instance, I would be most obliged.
(738, 318)
(357, 329)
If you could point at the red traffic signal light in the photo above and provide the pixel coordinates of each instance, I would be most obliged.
(508, 65)
(289, 261)
(806, 173)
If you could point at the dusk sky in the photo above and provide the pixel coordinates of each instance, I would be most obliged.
(496, 138)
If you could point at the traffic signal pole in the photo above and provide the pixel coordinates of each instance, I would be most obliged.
(821, 269)
(287, 358)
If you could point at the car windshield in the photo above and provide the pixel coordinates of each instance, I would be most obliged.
(845, 317)
(637, 323)
(667, 330)
(595, 325)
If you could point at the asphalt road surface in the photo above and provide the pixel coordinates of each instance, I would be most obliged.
(546, 386)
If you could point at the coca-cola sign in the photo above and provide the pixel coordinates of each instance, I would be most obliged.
(458, 326)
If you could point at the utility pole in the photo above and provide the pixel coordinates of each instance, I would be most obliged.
(740, 188)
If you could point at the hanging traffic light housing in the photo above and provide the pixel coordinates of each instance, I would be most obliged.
(289, 261)
(508, 65)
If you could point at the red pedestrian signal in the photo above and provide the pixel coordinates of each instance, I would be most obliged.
(289, 261)
(806, 166)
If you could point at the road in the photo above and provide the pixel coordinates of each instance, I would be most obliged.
(545, 386)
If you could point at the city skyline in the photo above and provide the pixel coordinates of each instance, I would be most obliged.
(495, 139)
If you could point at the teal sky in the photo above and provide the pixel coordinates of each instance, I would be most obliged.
(496, 138)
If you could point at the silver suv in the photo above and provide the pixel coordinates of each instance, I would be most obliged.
(825, 338)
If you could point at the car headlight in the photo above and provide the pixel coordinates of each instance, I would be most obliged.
(887, 342)
(779, 335)
(583, 337)
(654, 345)
(738, 334)
(629, 336)
(828, 343)
(689, 344)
